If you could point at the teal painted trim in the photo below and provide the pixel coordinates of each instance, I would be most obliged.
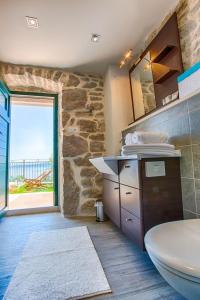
(55, 148)
(2, 213)
(32, 94)
(5, 111)
(55, 134)
(189, 72)
(8, 154)
(4, 89)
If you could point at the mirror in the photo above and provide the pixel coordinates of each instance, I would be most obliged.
(143, 87)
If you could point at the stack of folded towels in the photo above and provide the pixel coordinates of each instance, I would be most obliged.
(141, 142)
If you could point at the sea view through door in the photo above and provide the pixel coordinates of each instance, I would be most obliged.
(31, 163)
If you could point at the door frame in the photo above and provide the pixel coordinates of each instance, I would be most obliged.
(55, 134)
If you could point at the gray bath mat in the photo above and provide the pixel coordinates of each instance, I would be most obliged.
(58, 265)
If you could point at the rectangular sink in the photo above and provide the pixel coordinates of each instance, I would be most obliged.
(109, 164)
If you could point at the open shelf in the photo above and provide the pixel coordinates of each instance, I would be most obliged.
(168, 73)
(162, 72)
(164, 52)
(164, 55)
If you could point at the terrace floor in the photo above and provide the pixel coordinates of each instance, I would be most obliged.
(30, 200)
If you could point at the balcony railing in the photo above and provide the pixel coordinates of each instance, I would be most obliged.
(29, 169)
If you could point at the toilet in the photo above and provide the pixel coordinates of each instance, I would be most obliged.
(174, 248)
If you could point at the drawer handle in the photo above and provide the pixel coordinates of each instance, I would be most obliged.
(128, 193)
(116, 188)
(129, 220)
(127, 166)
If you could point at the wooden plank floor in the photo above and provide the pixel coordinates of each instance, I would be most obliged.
(130, 272)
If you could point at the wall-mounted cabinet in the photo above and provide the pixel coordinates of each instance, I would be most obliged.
(154, 77)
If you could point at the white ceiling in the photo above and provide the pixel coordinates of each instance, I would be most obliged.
(65, 27)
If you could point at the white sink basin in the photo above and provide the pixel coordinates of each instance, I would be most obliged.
(109, 164)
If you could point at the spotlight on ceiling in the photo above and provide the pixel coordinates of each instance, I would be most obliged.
(95, 38)
(32, 22)
(127, 56)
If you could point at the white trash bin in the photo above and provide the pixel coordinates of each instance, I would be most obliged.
(99, 211)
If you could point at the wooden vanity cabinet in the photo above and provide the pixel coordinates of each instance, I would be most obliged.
(111, 200)
(137, 200)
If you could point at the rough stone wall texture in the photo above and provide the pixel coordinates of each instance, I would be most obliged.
(81, 105)
(188, 15)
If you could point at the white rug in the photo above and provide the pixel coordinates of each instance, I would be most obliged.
(58, 265)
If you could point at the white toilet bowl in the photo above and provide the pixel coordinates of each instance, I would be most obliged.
(174, 249)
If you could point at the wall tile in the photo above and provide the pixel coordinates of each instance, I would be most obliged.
(189, 215)
(197, 189)
(178, 125)
(196, 160)
(194, 112)
(186, 162)
(178, 131)
(174, 122)
(178, 111)
(188, 194)
(193, 103)
(157, 119)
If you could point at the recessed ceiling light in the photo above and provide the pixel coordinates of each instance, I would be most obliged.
(32, 22)
(95, 37)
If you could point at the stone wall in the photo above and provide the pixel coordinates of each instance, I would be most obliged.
(81, 109)
(188, 13)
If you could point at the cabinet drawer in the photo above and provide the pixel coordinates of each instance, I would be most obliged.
(111, 177)
(131, 226)
(130, 199)
(111, 200)
(129, 173)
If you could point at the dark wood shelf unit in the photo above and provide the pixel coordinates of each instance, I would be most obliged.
(166, 62)
(164, 76)
(164, 52)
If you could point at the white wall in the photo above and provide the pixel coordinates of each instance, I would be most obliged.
(118, 107)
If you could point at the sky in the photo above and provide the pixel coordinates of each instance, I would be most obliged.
(31, 135)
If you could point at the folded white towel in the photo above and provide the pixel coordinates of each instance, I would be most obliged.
(153, 153)
(151, 147)
(144, 137)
